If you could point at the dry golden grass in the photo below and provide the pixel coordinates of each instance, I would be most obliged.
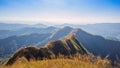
(62, 62)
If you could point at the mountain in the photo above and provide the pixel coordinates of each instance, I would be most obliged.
(7, 30)
(61, 33)
(11, 44)
(58, 34)
(39, 26)
(30, 30)
(6, 26)
(22, 37)
(14, 27)
(99, 45)
(107, 30)
(25, 31)
(6, 33)
(95, 44)
(67, 47)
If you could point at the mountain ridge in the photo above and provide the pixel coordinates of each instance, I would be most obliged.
(67, 47)
(95, 44)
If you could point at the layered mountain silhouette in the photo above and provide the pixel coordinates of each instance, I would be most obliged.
(67, 47)
(14, 27)
(25, 31)
(107, 30)
(95, 44)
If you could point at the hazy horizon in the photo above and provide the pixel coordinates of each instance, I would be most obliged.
(60, 11)
(53, 23)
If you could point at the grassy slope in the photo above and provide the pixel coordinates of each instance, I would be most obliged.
(62, 63)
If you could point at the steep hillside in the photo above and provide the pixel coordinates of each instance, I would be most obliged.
(98, 45)
(58, 34)
(95, 44)
(22, 37)
(11, 44)
(61, 33)
(67, 47)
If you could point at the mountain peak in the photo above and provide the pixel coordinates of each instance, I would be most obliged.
(70, 36)
(67, 27)
(60, 33)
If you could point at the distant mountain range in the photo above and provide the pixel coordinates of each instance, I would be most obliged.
(7, 30)
(14, 27)
(102, 45)
(107, 30)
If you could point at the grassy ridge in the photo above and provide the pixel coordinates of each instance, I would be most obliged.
(75, 62)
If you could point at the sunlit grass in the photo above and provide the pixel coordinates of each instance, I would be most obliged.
(74, 62)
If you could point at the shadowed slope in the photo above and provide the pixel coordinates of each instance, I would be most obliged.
(27, 52)
(58, 34)
(99, 45)
(67, 47)
(93, 43)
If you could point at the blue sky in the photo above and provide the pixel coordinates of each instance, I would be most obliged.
(60, 11)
